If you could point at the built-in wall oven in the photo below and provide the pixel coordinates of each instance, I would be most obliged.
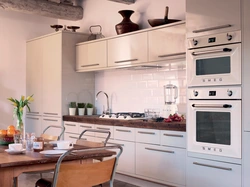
(214, 120)
(214, 94)
(214, 60)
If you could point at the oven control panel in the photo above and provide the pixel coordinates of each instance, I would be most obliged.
(229, 92)
(212, 149)
(212, 40)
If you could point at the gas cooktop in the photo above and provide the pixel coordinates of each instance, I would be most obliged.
(124, 116)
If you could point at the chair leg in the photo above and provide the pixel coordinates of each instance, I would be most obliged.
(15, 180)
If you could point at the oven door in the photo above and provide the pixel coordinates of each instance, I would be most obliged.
(220, 65)
(214, 127)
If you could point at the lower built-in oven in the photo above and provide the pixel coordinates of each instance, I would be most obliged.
(214, 60)
(214, 121)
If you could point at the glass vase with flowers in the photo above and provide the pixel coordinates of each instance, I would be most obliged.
(18, 111)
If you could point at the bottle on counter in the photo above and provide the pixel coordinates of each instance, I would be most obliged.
(38, 144)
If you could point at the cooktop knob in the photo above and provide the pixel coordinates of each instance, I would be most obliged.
(196, 93)
(229, 93)
(195, 42)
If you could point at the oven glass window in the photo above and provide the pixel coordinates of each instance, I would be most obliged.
(211, 66)
(213, 127)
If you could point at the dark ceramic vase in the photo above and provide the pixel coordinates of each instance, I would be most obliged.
(126, 25)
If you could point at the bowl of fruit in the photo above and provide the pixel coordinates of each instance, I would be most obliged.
(7, 135)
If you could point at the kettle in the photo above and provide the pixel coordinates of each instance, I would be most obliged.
(97, 35)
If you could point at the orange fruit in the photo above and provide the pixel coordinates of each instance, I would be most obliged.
(17, 131)
(11, 132)
(3, 132)
(11, 127)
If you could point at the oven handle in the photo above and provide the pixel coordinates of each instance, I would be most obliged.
(211, 51)
(211, 106)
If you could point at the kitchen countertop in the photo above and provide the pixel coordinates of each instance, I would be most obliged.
(94, 119)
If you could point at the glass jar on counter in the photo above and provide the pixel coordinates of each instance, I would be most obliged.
(38, 144)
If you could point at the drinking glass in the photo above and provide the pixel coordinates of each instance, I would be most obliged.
(17, 138)
(29, 141)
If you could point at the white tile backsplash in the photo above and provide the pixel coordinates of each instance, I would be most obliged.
(132, 91)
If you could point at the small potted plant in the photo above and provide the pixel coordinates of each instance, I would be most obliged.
(81, 109)
(90, 109)
(72, 108)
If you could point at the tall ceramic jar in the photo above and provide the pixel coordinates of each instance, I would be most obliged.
(126, 25)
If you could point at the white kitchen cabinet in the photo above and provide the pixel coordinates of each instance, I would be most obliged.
(47, 121)
(173, 138)
(34, 55)
(33, 124)
(128, 50)
(126, 164)
(150, 136)
(124, 133)
(51, 75)
(71, 137)
(91, 56)
(166, 164)
(86, 126)
(207, 173)
(167, 43)
(208, 17)
(104, 128)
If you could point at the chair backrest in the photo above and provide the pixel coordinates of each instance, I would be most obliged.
(83, 173)
(84, 142)
(48, 137)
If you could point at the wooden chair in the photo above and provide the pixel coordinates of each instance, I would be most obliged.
(83, 174)
(84, 142)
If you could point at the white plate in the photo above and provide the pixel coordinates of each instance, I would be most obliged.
(53, 152)
(56, 148)
(12, 152)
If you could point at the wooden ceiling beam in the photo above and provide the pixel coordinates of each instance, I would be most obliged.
(44, 8)
(128, 2)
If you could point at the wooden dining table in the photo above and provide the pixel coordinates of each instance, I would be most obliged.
(13, 165)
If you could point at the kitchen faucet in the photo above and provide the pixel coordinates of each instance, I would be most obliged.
(108, 111)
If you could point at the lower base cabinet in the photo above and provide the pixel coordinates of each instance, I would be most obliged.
(162, 163)
(126, 164)
(207, 173)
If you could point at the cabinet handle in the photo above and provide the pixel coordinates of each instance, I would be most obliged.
(146, 132)
(212, 166)
(50, 113)
(50, 120)
(33, 112)
(73, 137)
(211, 51)
(212, 28)
(103, 128)
(170, 55)
(115, 144)
(86, 126)
(70, 125)
(174, 135)
(211, 106)
(121, 61)
(32, 118)
(89, 65)
(123, 130)
(165, 151)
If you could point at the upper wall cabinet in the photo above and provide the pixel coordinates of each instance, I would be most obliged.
(167, 43)
(214, 16)
(128, 50)
(91, 56)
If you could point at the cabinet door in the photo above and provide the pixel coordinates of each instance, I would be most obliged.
(162, 163)
(150, 136)
(167, 43)
(85, 126)
(47, 121)
(208, 173)
(71, 137)
(105, 128)
(34, 55)
(52, 78)
(126, 164)
(124, 133)
(208, 17)
(91, 56)
(33, 124)
(128, 50)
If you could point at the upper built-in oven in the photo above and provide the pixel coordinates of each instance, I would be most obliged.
(214, 60)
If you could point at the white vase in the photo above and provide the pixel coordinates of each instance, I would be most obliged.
(81, 111)
(89, 111)
(72, 111)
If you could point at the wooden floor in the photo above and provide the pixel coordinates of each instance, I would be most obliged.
(28, 180)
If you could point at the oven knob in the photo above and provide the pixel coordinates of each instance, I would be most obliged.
(229, 92)
(229, 37)
(195, 42)
(195, 93)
